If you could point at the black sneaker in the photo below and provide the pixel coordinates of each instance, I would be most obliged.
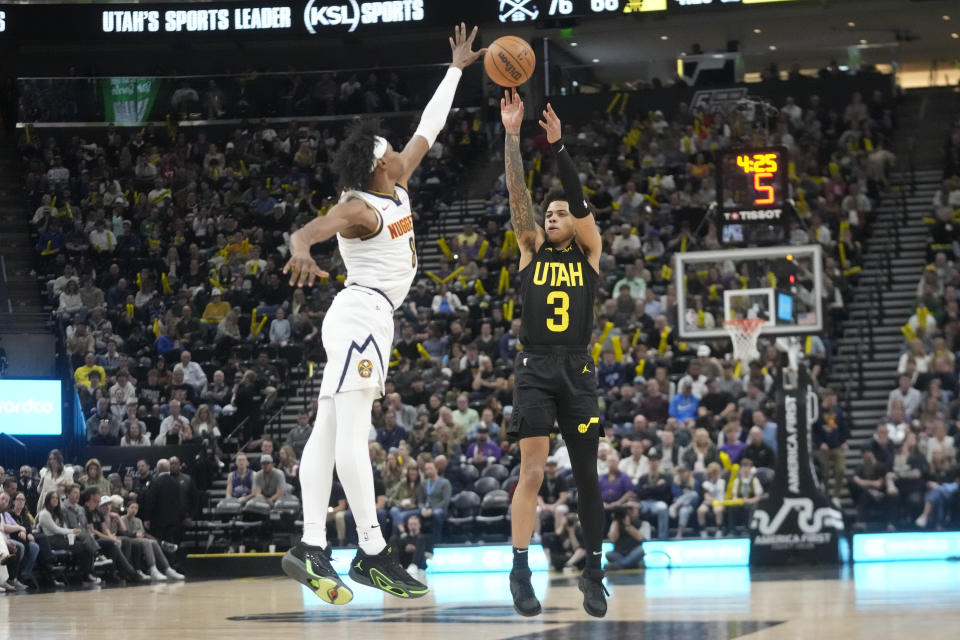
(594, 593)
(310, 566)
(383, 571)
(524, 599)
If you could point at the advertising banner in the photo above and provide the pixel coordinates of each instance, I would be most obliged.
(30, 407)
(795, 522)
(128, 100)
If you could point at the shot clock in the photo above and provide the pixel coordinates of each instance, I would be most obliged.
(752, 191)
(752, 179)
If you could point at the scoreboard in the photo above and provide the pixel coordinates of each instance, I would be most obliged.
(534, 10)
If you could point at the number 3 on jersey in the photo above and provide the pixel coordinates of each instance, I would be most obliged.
(561, 302)
(413, 253)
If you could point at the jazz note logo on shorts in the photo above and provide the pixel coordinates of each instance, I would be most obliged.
(584, 427)
(365, 368)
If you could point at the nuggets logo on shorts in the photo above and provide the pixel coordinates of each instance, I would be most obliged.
(584, 427)
(365, 368)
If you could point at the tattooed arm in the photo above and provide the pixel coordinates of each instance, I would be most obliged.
(530, 236)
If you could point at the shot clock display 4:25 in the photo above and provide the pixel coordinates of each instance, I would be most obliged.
(752, 178)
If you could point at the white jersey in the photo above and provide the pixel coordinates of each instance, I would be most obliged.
(385, 260)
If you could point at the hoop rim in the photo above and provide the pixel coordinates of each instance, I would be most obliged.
(744, 324)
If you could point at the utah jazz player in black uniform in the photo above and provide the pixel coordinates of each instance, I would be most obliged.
(555, 378)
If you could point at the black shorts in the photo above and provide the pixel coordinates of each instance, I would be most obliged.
(555, 385)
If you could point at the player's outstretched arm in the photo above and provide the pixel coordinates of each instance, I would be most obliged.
(588, 238)
(301, 266)
(435, 113)
(529, 235)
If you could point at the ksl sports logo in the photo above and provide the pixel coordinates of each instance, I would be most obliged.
(25, 407)
(318, 14)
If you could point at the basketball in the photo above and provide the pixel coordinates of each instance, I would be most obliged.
(509, 61)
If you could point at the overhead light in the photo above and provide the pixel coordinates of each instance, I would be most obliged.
(596, 60)
(863, 41)
(574, 44)
(946, 18)
(758, 30)
(773, 47)
(664, 37)
(683, 54)
(851, 24)
(955, 35)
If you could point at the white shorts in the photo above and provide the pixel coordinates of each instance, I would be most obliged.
(358, 337)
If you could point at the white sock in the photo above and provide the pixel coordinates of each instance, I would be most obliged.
(353, 465)
(316, 473)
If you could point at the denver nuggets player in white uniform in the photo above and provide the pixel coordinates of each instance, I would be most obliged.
(374, 228)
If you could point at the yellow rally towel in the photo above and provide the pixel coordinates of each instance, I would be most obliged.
(165, 284)
(908, 332)
(640, 367)
(253, 322)
(664, 336)
(445, 248)
(808, 345)
(743, 282)
(504, 281)
(156, 328)
(618, 350)
(130, 309)
(666, 272)
(478, 287)
(508, 310)
(595, 352)
(713, 292)
(922, 314)
(423, 352)
(483, 249)
(635, 339)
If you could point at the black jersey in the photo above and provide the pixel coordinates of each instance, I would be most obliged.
(558, 290)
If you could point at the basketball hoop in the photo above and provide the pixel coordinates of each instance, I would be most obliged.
(744, 333)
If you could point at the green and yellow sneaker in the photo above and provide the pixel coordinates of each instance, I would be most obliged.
(383, 571)
(310, 566)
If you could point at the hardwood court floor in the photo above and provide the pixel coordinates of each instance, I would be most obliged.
(867, 601)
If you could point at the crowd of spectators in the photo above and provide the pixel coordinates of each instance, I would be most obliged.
(159, 250)
(909, 472)
(68, 523)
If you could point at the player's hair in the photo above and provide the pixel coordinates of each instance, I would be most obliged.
(552, 196)
(355, 155)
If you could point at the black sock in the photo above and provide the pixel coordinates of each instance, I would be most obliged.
(593, 559)
(520, 559)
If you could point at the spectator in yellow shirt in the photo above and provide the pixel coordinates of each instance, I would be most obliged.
(217, 309)
(469, 240)
(82, 374)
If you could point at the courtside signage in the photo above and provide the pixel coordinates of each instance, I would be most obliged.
(673, 554)
(30, 407)
(888, 547)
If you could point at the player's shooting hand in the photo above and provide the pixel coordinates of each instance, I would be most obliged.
(303, 270)
(551, 124)
(461, 45)
(511, 111)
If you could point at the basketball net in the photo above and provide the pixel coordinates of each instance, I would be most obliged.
(744, 333)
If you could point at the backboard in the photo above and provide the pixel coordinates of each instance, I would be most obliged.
(782, 285)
